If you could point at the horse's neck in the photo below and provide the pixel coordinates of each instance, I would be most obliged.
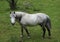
(19, 17)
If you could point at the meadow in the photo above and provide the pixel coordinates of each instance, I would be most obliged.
(9, 33)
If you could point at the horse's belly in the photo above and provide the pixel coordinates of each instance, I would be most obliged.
(32, 23)
(29, 21)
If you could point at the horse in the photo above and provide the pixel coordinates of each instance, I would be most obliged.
(26, 19)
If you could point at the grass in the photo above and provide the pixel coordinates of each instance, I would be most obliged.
(9, 33)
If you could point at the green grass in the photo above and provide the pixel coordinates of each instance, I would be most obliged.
(9, 33)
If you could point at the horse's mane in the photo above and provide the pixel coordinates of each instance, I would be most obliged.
(20, 12)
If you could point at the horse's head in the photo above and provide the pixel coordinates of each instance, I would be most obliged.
(12, 16)
(16, 16)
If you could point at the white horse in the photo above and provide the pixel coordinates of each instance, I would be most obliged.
(26, 19)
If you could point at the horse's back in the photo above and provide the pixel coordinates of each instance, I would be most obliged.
(33, 19)
(43, 15)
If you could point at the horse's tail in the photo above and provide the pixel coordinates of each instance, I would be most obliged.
(48, 23)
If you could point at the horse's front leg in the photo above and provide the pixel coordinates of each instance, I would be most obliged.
(27, 31)
(21, 31)
(21, 39)
(44, 30)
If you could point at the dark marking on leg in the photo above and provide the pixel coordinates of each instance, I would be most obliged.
(44, 30)
(48, 28)
(27, 31)
(41, 24)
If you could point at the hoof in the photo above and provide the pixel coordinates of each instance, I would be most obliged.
(28, 37)
(49, 37)
(20, 41)
(43, 37)
(21, 36)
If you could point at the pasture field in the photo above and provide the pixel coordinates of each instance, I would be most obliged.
(9, 33)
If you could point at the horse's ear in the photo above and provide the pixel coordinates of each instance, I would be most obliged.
(14, 12)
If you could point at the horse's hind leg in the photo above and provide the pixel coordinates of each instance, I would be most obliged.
(48, 28)
(44, 30)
